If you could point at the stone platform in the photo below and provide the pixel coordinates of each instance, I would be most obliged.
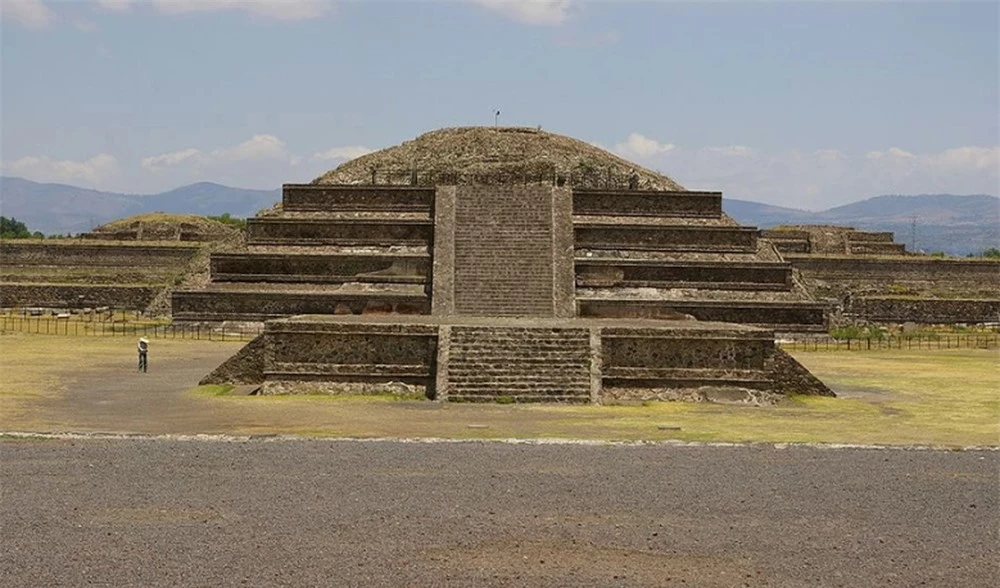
(470, 359)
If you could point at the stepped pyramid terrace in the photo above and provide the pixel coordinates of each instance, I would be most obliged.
(870, 278)
(486, 263)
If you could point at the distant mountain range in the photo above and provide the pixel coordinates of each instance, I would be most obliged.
(61, 209)
(956, 225)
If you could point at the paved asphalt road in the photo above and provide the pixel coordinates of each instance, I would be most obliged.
(159, 512)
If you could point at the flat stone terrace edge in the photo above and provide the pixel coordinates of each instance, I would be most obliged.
(691, 326)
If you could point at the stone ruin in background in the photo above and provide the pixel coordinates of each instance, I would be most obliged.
(866, 277)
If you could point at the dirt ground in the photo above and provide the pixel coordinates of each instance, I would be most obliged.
(55, 383)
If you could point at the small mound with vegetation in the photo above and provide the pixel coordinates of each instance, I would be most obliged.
(160, 226)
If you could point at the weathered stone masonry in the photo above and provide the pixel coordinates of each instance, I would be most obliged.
(498, 269)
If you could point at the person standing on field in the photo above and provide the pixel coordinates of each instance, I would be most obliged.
(143, 354)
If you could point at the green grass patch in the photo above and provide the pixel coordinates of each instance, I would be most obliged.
(212, 390)
(944, 398)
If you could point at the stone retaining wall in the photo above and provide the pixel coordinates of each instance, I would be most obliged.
(76, 296)
(313, 197)
(85, 254)
(305, 356)
(604, 273)
(262, 305)
(835, 276)
(780, 316)
(373, 268)
(640, 237)
(647, 203)
(926, 311)
(288, 231)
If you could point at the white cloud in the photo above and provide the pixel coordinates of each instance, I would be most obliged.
(638, 145)
(968, 159)
(276, 9)
(30, 14)
(823, 178)
(115, 5)
(94, 172)
(350, 152)
(531, 12)
(891, 153)
(257, 148)
(158, 162)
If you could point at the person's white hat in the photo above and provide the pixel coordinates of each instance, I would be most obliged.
(144, 340)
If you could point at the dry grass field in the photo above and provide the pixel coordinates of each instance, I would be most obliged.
(946, 398)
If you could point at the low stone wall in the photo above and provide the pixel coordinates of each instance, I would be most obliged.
(375, 268)
(77, 295)
(647, 203)
(286, 231)
(926, 311)
(643, 237)
(318, 197)
(40, 253)
(604, 273)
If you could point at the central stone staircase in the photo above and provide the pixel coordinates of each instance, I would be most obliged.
(521, 363)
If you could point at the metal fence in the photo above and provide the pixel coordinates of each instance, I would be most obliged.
(920, 341)
(77, 328)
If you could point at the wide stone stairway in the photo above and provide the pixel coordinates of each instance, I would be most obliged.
(520, 363)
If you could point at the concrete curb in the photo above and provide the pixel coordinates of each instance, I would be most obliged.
(224, 438)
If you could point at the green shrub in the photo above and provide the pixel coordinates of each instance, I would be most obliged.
(228, 219)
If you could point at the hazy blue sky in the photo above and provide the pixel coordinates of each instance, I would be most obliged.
(806, 104)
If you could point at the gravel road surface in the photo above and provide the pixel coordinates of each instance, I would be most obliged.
(160, 512)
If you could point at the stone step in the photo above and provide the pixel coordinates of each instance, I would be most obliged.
(565, 373)
(512, 365)
(532, 363)
(520, 398)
